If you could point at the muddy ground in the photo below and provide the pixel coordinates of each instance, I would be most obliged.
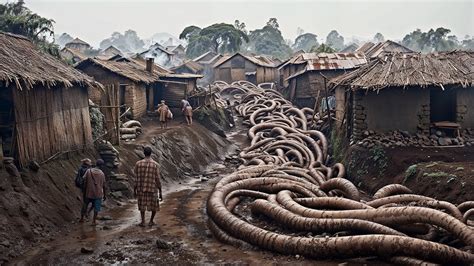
(193, 159)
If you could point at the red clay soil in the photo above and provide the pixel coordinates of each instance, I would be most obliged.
(450, 178)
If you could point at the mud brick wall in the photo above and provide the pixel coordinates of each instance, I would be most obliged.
(391, 109)
(135, 97)
(465, 107)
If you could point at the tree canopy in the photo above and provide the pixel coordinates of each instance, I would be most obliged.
(16, 18)
(129, 41)
(269, 41)
(379, 37)
(323, 48)
(220, 38)
(335, 40)
(432, 40)
(305, 42)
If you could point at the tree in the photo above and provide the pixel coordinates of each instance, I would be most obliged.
(129, 41)
(305, 42)
(323, 48)
(16, 18)
(467, 43)
(269, 41)
(431, 41)
(299, 31)
(220, 38)
(379, 37)
(335, 40)
(240, 26)
(63, 39)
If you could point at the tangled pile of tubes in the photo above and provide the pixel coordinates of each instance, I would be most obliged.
(298, 205)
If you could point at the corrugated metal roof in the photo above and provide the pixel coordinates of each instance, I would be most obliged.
(328, 61)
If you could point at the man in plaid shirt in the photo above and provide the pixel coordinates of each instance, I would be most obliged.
(147, 186)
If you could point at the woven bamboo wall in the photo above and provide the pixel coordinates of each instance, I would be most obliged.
(50, 121)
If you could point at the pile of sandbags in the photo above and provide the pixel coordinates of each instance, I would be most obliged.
(130, 130)
(109, 154)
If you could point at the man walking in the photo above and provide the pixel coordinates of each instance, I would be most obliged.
(163, 111)
(86, 163)
(95, 186)
(187, 111)
(147, 186)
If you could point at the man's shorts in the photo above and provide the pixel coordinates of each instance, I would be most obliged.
(97, 203)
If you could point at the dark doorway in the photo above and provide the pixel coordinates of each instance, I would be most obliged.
(7, 123)
(442, 105)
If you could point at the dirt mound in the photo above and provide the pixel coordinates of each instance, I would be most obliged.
(374, 168)
(35, 204)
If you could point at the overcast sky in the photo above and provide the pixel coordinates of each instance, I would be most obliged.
(93, 21)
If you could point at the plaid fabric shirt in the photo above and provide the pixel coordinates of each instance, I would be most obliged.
(147, 176)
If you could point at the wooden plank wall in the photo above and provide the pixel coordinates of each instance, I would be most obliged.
(50, 121)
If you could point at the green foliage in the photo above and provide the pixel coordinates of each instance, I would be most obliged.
(338, 146)
(128, 41)
(305, 42)
(410, 172)
(379, 37)
(269, 41)
(220, 38)
(335, 40)
(323, 48)
(379, 158)
(16, 18)
(432, 40)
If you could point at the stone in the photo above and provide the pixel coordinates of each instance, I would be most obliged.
(366, 133)
(116, 185)
(434, 137)
(439, 133)
(444, 141)
(406, 134)
(117, 194)
(5, 243)
(34, 165)
(87, 250)
(161, 244)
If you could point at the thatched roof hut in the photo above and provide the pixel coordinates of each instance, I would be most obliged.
(404, 70)
(44, 108)
(25, 66)
(412, 92)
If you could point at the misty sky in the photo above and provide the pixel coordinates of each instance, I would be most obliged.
(93, 21)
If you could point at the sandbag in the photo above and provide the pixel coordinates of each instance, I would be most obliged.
(128, 136)
(132, 130)
(131, 123)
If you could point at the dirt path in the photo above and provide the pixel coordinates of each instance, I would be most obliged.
(181, 223)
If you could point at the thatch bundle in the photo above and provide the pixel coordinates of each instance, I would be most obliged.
(25, 66)
(414, 69)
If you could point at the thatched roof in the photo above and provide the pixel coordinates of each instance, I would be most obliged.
(24, 65)
(191, 65)
(258, 60)
(76, 42)
(127, 69)
(404, 70)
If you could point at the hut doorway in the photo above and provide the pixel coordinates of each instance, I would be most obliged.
(7, 124)
(442, 105)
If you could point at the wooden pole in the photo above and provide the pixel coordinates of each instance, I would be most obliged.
(327, 103)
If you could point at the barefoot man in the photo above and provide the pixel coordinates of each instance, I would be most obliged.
(163, 113)
(147, 186)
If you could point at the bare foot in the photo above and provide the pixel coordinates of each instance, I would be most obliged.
(151, 224)
(141, 224)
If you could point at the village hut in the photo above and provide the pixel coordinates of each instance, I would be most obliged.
(407, 92)
(44, 108)
(313, 71)
(351, 48)
(72, 56)
(161, 55)
(78, 44)
(207, 61)
(373, 50)
(128, 78)
(178, 50)
(255, 69)
(171, 87)
(189, 67)
(110, 51)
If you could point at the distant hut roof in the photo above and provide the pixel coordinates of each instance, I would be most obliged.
(205, 56)
(74, 52)
(351, 48)
(259, 60)
(77, 41)
(328, 61)
(25, 66)
(155, 47)
(127, 69)
(414, 69)
(190, 64)
(372, 50)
